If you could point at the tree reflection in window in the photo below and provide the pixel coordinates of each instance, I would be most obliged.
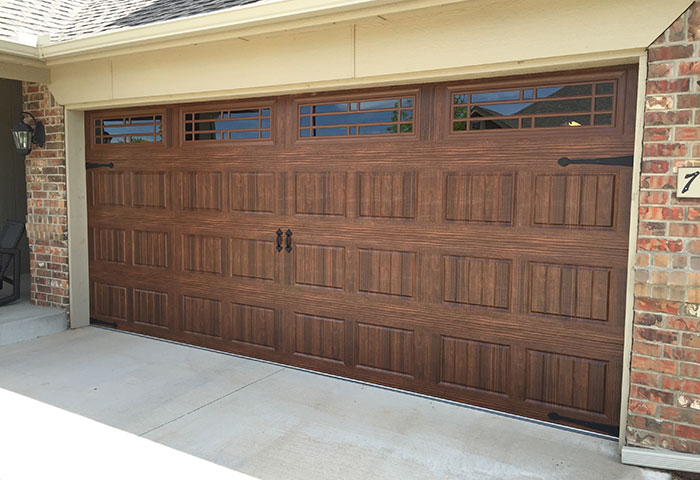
(357, 118)
(242, 124)
(128, 130)
(565, 106)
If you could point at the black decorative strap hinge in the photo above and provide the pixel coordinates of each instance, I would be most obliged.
(94, 321)
(612, 430)
(626, 161)
(89, 165)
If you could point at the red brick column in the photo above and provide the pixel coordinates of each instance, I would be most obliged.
(664, 409)
(47, 220)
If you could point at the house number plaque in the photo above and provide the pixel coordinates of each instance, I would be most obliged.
(688, 184)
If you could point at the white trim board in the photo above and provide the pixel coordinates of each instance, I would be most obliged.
(662, 459)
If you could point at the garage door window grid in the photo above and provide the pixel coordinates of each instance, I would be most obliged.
(241, 124)
(563, 106)
(129, 130)
(387, 116)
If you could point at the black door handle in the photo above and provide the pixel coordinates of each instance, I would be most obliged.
(89, 165)
(279, 233)
(288, 240)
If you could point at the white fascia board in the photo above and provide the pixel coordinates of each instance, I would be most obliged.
(20, 61)
(661, 459)
(272, 13)
(23, 53)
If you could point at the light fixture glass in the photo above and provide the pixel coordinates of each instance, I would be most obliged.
(24, 135)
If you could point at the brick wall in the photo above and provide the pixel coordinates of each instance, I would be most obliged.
(47, 221)
(664, 409)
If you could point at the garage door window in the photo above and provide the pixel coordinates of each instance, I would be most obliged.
(129, 130)
(387, 116)
(563, 106)
(244, 124)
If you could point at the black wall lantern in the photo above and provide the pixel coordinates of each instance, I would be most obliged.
(24, 135)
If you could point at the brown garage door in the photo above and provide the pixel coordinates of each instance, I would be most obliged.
(421, 237)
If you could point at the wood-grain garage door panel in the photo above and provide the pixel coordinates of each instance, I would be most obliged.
(575, 200)
(253, 325)
(460, 263)
(567, 381)
(387, 195)
(151, 308)
(472, 364)
(151, 249)
(477, 281)
(252, 192)
(486, 198)
(319, 337)
(201, 191)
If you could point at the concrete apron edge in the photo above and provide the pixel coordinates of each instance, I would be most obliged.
(374, 385)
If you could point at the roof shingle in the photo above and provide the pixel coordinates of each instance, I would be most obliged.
(68, 19)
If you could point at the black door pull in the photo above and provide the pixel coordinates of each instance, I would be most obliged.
(89, 165)
(288, 240)
(279, 233)
(627, 161)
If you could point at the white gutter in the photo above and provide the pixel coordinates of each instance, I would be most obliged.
(21, 61)
(22, 53)
(276, 15)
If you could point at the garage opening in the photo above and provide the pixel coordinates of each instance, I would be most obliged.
(428, 238)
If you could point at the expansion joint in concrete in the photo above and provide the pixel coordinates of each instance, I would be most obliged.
(210, 403)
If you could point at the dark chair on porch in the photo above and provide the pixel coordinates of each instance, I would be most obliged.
(10, 236)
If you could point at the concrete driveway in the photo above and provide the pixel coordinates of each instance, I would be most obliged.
(273, 422)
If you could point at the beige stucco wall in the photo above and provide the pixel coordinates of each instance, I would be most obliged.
(459, 40)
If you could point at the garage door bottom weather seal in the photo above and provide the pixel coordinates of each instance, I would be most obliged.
(567, 428)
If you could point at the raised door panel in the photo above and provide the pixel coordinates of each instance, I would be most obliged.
(576, 291)
(391, 350)
(201, 191)
(252, 192)
(387, 195)
(252, 325)
(151, 248)
(151, 308)
(567, 381)
(388, 273)
(203, 254)
(111, 301)
(318, 337)
(477, 281)
(151, 189)
(109, 245)
(321, 194)
(253, 259)
(575, 200)
(480, 197)
(477, 365)
(108, 189)
(319, 266)
(202, 316)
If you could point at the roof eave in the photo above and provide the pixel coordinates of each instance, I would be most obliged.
(20, 61)
(20, 53)
(265, 17)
